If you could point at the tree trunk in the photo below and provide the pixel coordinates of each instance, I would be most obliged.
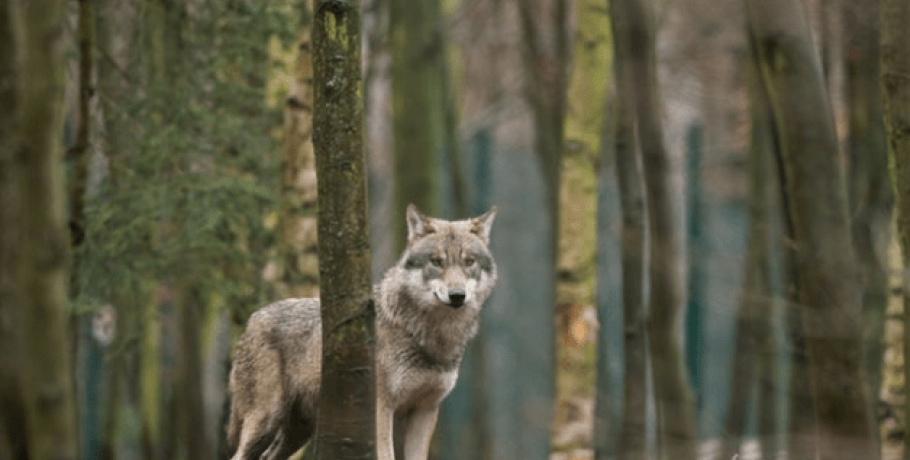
(80, 149)
(869, 190)
(346, 426)
(828, 285)
(633, 428)
(452, 138)
(418, 51)
(545, 58)
(12, 418)
(753, 353)
(46, 373)
(632, 20)
(895, 69)
(801, 439)
(193, 437)
(300, 275)
(763, 184)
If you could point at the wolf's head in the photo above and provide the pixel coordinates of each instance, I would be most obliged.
(448, 263)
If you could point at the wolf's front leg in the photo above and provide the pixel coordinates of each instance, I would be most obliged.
(385, 420)
(418, 433)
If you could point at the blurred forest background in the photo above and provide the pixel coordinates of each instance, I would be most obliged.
(699, 241)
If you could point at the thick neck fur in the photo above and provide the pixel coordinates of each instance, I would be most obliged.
(430, 336)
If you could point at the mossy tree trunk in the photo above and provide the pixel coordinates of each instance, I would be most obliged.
(347, 407)
(44, 239)
(12, 444)
(675, 404)
(828, 284)
(895, 81)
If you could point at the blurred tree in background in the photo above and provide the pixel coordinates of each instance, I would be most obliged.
(12, 444)
(895, 68)
(418, 49)
(675, 406)
(827, 281)
(44, 372)
(754, 365)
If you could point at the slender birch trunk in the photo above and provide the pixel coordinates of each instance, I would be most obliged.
(895, 81)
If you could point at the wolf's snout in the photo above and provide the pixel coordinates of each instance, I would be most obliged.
(456, 297)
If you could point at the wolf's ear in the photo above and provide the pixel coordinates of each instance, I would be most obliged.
(418, 224)
(483, 223)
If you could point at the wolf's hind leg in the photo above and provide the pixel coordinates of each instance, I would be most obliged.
(257, 434)
(290, 438)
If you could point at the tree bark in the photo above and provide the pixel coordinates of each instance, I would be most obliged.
(80, 149)
(763, 152)
(346, 426)
(545, 58)
(46, 373)
(754, 341)
(869, 188)
(192, 411)
(12, 418)
(895, 81)
(828, 284)
(633, 429)
(632, 19)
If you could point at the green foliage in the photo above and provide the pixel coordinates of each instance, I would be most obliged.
(192, 168)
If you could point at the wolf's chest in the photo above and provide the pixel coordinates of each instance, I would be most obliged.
(415, 387)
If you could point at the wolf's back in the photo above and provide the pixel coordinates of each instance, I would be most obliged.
(276, 362)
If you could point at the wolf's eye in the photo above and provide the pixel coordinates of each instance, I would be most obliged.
(436, 261)
(468, 261)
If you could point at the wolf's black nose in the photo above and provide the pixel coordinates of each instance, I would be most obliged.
(456, 298)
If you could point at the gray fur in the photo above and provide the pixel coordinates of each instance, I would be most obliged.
(428, 308)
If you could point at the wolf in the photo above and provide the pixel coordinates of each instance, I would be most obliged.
(427, 309)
